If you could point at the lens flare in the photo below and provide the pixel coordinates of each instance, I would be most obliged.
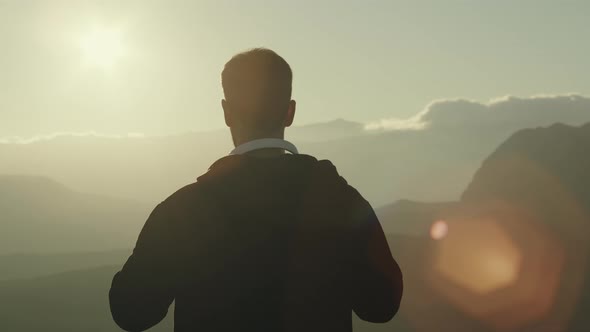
(439, 230)
(479, 256)
(500, 267)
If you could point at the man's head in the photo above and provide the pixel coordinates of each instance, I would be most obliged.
(257, 87)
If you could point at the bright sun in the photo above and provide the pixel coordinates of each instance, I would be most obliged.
(102, 47)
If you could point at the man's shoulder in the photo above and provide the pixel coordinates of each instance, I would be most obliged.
(183, 195)
(322, 171)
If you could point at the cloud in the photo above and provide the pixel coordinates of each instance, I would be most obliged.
(41, 138)
(413, 123)
(508, 113)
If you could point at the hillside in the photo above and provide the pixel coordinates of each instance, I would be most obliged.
(531, 193)
(413, 218)
(72, 301)
(429, 157)
(39, 215)
(26, 266)
(149, 169)
(557, 155)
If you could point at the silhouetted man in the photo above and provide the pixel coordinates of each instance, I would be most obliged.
(267, 239)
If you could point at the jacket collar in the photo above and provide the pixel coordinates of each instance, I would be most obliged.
(264, 143)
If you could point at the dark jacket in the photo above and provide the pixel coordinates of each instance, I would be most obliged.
(260, 244)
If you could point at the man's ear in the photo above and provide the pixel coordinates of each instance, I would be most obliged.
(226, 112)
(290, 113)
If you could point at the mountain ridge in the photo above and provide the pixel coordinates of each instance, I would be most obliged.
(41, 215)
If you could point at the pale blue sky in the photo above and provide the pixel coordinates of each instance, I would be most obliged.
(358, 60)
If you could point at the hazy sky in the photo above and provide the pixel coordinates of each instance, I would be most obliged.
(153, 66)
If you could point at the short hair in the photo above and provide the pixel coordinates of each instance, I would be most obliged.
(258, 84)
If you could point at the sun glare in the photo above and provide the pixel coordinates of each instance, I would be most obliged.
(102, 47)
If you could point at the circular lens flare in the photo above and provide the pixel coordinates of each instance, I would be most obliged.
(479, 255)
(439, 230)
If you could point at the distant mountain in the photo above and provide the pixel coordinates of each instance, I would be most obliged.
(544, 172)
(72, 301)
(39, 215)
(531, 159)
(532, 167)
(536, 187)
(431, 156)
(26, 266)
(385, 166)
(413, 218)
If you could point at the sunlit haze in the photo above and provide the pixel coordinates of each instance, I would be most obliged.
(153, 67)
(454, 135)
(102, 46)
